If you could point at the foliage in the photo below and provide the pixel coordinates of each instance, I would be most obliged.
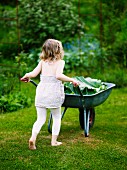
(28, 60)
(8, 32)
(114, 30)
(109, 25)
(9, 78)
(87, 86)
(8, 2)
(13, 102)
(114, 74)
(85, 54)
(8, 51)
(40, 20)
(11, 72)
(21, 96)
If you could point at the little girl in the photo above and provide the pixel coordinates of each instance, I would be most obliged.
(50, 90)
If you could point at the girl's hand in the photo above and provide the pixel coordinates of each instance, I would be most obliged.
(25, 78)
(75, 83)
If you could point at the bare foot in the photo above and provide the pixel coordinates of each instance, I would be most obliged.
(32, 145)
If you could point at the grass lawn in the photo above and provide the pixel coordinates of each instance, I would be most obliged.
(104, 149)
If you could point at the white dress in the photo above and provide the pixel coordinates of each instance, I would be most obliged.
(49, 92)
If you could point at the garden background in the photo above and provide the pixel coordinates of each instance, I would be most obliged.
(94, 36)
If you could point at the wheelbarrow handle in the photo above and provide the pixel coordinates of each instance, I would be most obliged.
(83, 99)
(80, 91)
(33, 82)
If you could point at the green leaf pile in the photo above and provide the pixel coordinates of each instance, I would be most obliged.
(87, 86)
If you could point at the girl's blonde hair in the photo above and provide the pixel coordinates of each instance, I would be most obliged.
(52, 49)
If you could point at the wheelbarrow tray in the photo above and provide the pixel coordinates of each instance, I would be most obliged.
(90, 101)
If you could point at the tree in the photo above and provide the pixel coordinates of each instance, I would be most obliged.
(114, 29)
(40, 20)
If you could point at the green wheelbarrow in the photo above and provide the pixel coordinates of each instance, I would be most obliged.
(85, 104)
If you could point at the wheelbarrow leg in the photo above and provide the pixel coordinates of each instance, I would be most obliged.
(50, 120)
(86, 122)
(64, 112)
(49, 123)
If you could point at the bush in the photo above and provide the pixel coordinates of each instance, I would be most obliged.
(13, 102)
(28, 60)
(9, 51)
(12, 71)
(9, 79)
(8, 32)
(88, 56)
(112, 74)
(114, 29)
(40, 20)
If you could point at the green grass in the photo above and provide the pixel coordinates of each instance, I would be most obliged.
(104, 149)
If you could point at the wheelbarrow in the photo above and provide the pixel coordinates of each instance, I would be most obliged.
(85, 104)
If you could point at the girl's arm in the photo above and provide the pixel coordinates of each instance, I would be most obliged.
(62, 77)
(33, 73)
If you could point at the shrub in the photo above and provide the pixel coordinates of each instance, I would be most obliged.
(9, 79)
(87, 56)
(40, 20)
(8, 32)
(13, 102)
(28, 60)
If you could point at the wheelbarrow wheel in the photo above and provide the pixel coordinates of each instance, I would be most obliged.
(91, 118)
